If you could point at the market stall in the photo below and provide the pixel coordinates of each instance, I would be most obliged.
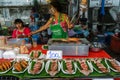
(34, 64)
(59, 58)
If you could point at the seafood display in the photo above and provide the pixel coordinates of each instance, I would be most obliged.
(84, 66)
(35, 54)
(20, 66)
(36, 66)
(81, 67)
(99, 65)
(52, 67)
(5, 66)
(113, 65)
(68, 66)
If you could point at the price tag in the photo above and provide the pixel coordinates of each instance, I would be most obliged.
(54, 54)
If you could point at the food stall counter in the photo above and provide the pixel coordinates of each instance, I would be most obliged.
(49, 68)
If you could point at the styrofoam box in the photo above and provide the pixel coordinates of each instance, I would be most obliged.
(71, 50)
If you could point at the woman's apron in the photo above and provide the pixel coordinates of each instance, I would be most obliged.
(57, 31)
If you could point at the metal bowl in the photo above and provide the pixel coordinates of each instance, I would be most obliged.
(94, 49)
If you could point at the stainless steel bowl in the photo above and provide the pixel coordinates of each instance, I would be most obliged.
(94, 49)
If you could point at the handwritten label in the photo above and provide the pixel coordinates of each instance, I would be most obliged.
(54, 54)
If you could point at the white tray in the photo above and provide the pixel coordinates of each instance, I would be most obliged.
(65, 72)
(17, 60)
(110, 66)
(89, 64)
(29, 68)
(101, 71)
(3, 72)
(47, 66)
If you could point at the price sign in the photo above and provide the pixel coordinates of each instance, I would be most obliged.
(54, 54)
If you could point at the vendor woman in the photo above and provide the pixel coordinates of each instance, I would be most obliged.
(59, 22)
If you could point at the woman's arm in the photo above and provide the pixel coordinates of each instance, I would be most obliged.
(44, 27)
(70, 25)
(84, 27)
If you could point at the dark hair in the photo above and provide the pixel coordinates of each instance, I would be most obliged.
(18, 21)
(56, 4)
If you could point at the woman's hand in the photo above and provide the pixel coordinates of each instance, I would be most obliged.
(71, 26)
(30, 34)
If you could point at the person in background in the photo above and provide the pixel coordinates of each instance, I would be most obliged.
(34, 15)
(21, 31)
(84, 27)
(58, 23)
(83, 31)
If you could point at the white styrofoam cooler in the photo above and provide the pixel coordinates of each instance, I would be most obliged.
(71, 49)
(80, 50)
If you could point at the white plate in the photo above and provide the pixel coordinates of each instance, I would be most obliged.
(89, 64)
(16, 72)
(65, 72)
(17, 60)
(22, 56)
(39, 57)
(43, 47)
(7, 69)
(106, 60)
(48, 65)
(29, 68)
(99, 70)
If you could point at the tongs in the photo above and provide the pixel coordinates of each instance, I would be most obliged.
(74, 18)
